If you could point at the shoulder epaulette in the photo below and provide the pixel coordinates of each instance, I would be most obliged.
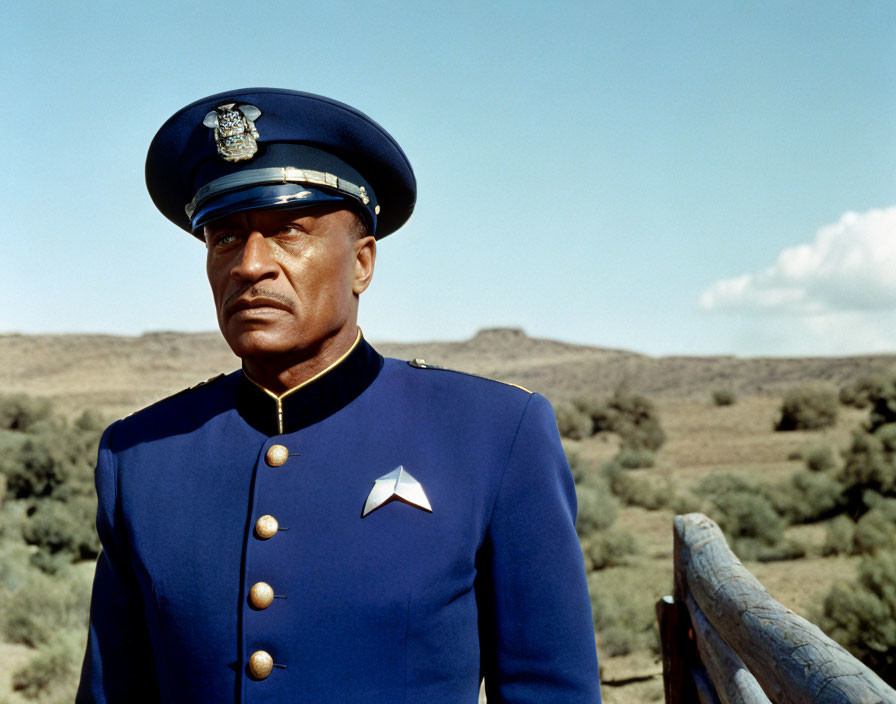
(208, 381)
(419, 363)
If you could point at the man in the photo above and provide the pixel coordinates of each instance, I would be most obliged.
(325, 525)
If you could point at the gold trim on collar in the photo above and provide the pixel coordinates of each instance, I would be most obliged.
(279, 399)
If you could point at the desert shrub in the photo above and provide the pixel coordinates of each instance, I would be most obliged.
(63, 531)
(808, 496)
(858, 393)
(15, 567)
(822, 496)
(808, 408)
(868, 471)
(782, 551)
(744, 513)
(56, 461)
(572, 422)
(622, 606)
(597, 509)
(869, 465)
(812, 494)
(631, 416)
(91, 422)
(583, 471)
(876, 530)
(11, 441)
(682, 502)
(632, 458)
(577, 466)
(51, 676)
(617, 640)
(619, 481)
(598, 410)
(21, 413)
(882, 399)
(635, 419)
(50, 469)
(862, 616)
(647, 492)
(819, 458)
(611, 548)
(723, 397)
(839, 535)
(35, 611)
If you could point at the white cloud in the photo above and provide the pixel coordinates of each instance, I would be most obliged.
(849, 333)
(850, 268)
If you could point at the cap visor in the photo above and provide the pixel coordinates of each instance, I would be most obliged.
(270, 197)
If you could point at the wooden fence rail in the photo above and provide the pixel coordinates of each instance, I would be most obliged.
(726, 640)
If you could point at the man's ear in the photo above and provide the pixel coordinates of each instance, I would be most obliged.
(365, 258)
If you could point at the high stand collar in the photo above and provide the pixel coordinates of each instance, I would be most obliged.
(312, 401)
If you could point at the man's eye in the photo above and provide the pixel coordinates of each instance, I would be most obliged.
(290, 231)
(224, 238)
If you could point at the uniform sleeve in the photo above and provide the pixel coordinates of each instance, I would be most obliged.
(118, 664)
(536, 631)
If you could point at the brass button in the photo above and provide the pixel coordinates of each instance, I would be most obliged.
(260, 664)
(266, 527)
(261, 595)
(276, 455)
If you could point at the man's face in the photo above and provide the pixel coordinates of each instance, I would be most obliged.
(285, 282)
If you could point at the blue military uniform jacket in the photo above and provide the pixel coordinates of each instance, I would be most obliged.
(400, 605)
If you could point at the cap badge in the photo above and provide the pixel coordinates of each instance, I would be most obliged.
(235, 132)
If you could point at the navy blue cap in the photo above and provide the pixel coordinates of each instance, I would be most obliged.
(265, 148)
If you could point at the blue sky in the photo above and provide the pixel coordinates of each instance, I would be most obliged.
(668, 177)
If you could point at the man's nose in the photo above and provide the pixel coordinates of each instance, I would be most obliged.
(257, 260)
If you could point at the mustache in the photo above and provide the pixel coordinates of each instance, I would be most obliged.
(247, 296)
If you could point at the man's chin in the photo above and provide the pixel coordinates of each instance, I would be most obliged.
(259, 343)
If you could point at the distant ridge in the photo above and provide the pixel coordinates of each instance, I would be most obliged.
(120, 374)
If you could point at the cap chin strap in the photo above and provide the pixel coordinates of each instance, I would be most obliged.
(277, 175)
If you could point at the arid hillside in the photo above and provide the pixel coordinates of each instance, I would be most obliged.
(120, 374)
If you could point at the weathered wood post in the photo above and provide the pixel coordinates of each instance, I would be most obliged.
(676, 640)
(754, 649)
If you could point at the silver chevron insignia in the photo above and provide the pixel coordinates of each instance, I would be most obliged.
(396, 485)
